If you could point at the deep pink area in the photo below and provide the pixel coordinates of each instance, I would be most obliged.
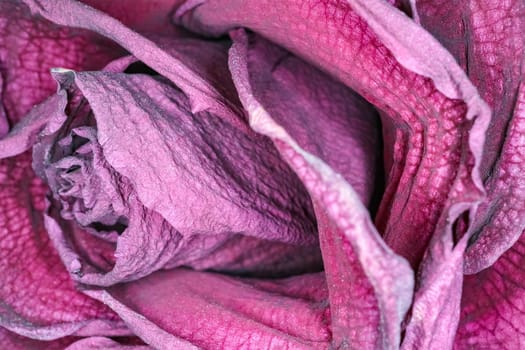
(492, 311)
(243, 313)
(359, 267)
(428, 144)
(30, 47)
(39, 298)
(325, 117)
(34, 284)
(148, 16)
(13, 341)
(486, 39)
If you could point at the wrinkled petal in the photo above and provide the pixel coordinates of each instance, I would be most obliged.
(13, 341)
(37, 297)
(487, 40)
(433, 134)
(30, 47)
(323, 116)
(197, 85)
(492, 310)
(101, 343)
(177, 228)
(207, 309)
(24, 135)
(358, 265)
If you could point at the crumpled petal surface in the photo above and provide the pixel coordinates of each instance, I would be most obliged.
(493, 61)
(37, 297)
(243, 313)
(177, 232)
(30, 47)
(358, 265)
(491, 304)
(427, 131)
(435, 131)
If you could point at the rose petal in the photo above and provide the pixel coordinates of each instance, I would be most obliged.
(171, 219)
(359, 266)
(491, 305)
(145, 16)
(30, 47)
(434, 142)
(324, 117)
(37, 296)
(486, 39)
(210, 310)
(203, 95)
(13, 341)
(38, 299)
(101, 343)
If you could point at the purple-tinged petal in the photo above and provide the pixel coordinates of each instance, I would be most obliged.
(25, 133)
(434, 128)
(492, 310)
(182, 309)
(101, 343)
(145, 16)
(370, 287)
(38, 299)
(202, 93)
(30, 47)
(13, 341)
(147, 166)
(323, 116)
(486, 37)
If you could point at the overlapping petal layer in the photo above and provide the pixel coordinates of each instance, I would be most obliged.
(432, 136)
(487, 40)
(38, 299)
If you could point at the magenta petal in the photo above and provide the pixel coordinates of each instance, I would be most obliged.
(24, 135)
(485, 37)
(203, 95)
(101, 343)
(145, 16)
(12, 341)
(182, 309)
(492, 311)
(359, 266)
(177, 226)
(30, 47)
(433, 134)
(323, 116)
(37, 296)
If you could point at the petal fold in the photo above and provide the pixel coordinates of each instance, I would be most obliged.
(358, 265)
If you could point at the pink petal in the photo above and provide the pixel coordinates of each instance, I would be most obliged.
(146, 16)
(370, 288)
(182, 309)
(169, 218)
(197, 85)
(13, 341)
(30, 47)
(38, 297)
(101, 343)
(325, 118)
(433, 134)
(493, 59)
(492, 311)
